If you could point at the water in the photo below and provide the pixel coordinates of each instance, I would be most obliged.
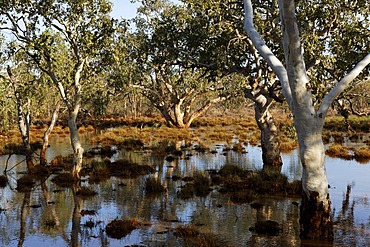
(24, 216)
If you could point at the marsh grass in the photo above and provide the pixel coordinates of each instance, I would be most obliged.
(247, 184)
(97, 171)
(193, 237)
(64, 179)
(201, 183)
(154, 185)
(120, 228)
(197, 185)
(362, 155)
(127, 169)
(25, 183)
(339, 151)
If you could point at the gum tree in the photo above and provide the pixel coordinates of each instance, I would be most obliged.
(315, 211)
(161, 50)
(80, 30)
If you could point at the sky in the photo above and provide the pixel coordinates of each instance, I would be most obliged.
(124, 9)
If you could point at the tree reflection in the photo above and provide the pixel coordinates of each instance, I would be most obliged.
(24, 212)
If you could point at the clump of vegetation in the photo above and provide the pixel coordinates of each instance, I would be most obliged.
(120, 228)
(238, 147)
(127, 169)
(3, 181)
(362, 154)
(339, 151)
(288, 146)
(198, 185)
(163, 148)
(246, 185)
(131, 144)
(193, 237)
(231, 170)
(201, 183)
(50, 223)
(85, 192)
(87, 212)
(64, 179)
(40, 172)
(153, 185)
(61, 163)
(187, 191)
(25, 183)
(98, 171)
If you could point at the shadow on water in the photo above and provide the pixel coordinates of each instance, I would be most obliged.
(52, 215)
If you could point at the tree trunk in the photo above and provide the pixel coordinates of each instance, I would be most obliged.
(315, 210)
(269, 136)
(24, 120)
(47, 133)
(76, 144)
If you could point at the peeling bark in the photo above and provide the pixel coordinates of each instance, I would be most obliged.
(269, 139)
(315, 218)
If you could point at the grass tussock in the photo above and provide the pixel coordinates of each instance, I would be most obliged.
(246, 185)
(193, 237)
(153, 185)
(362, 155)
(25, 183)
(127, 169)
(198, 185)
(339, 151)
(120, 228)
(64, 179)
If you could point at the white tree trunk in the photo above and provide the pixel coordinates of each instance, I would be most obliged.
(47, 133)
(76, 145)
(315, 210)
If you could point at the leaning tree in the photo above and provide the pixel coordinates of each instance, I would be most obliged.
(315, 211)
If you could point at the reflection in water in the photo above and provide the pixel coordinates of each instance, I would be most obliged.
(59, 221)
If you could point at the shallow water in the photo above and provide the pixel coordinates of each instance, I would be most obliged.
(24, 216)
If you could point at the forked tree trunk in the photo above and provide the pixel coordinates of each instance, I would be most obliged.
(315, 221)
(269, 136)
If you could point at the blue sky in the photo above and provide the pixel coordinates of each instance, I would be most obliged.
(124, 9)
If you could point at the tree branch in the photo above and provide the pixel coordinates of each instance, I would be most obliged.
(275, 64)
(342, 84)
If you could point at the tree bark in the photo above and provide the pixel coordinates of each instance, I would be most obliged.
(269, 138)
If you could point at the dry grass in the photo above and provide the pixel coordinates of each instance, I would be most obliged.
(339, 151)
(362, 155)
